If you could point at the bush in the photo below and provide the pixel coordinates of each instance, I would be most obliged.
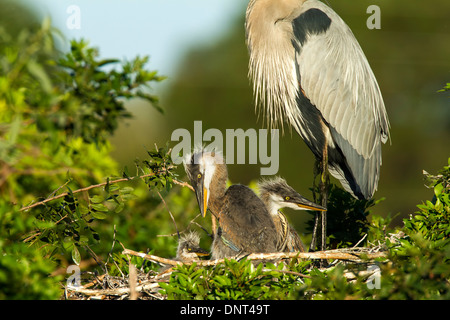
(415, 267)
(62, 195)
(56, 113)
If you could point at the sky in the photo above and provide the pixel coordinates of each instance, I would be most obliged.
(124, 29)
(162, 29)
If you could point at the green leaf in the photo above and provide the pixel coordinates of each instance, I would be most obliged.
(99, 215)
(39, 73)
(126, 190)
(97, 199)
(119, 208)
(438, 189)
(99, 207)
(106, 61)
(76, 257)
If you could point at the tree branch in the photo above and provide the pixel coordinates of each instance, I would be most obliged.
(114, 292)
(62, 195)
(267, 256)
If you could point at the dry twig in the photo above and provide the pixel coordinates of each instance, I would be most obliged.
(332, 254)
(62, 195)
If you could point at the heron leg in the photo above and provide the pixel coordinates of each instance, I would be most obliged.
(317, 172)
(321, 170)
(324, 180)
(312, 246)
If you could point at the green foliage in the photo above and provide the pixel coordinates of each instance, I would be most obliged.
(97, 93)
(61, 197)
(24, 270)
(234, 280)
(418, 269)
(347, 221)
(55, 117)
(432, 220)
(446, 88)
(416, 265)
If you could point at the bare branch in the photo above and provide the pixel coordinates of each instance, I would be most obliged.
(267, 256)
(183, 184)
(114, 292)
(62, 195)
(151, 257)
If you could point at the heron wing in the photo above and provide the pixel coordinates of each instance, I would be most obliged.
(335, 77)
(245, 221)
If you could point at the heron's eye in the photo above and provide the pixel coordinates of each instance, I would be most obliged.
(199, 176)
(189, 249)
(287, 198)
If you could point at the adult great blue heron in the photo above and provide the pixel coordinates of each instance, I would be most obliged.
(307, 68)
(243, 222)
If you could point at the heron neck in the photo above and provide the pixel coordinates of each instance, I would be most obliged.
(271, 206)
(217, 193)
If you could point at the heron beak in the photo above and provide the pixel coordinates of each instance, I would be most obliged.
(309, 205)
(202, 199)
(205, 202)
(200, 252)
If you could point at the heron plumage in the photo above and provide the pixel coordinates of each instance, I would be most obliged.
(308, 68)
(243, 222)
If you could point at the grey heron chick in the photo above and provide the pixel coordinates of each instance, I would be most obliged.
(244, 225)
(189, 248)
(277, 194)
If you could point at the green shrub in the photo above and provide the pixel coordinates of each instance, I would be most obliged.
(56, 113)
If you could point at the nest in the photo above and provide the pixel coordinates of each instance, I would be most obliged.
(146, 286)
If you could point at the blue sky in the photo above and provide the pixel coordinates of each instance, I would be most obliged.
(162, 29)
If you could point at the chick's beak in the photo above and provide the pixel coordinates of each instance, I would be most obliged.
(202, 199)
(200, 252)
(309, 205)
(205, 202)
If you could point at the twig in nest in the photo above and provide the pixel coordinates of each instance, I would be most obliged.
(362, 239)
(265, 256)
(114, 292)
(132, 279)
(151, 257)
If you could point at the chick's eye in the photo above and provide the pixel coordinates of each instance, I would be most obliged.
(199, 176)
(287, 198)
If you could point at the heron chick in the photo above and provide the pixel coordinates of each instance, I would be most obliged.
(189, 248)
(244, 225)
(277, 194)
